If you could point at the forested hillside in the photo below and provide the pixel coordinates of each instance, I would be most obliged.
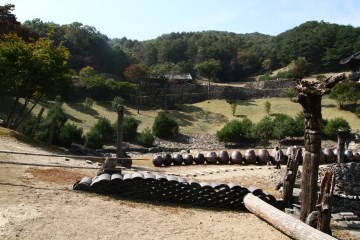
(322, 44)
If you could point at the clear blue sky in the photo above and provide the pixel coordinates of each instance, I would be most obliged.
(148, 19)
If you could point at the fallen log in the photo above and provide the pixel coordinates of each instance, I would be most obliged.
(292, 227)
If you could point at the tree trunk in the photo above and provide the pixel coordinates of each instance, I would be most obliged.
(52, 131)
(24, 116)
(10, 116)
(313, 125)
(290, 176)
(36, 125)
(310, 94)
(325, 203)
(287, 224)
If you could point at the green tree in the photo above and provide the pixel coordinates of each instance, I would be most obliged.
(333, 125)
(105, 129)
(88, 102)
(233, 105)
(266, 65)
(146, 138)
(345, 92)
(264, 130)
(116, 102)
(299, 125)
(283, 126)
(267, 106)
(136, 73)
(209, 69)
(32, 71)
(236, 131)
(130, 126)
(299, 68)
(165, 126)
(55, 113)
(68, 134)
(289, 93)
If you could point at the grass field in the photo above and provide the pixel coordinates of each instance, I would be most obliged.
(203, 117)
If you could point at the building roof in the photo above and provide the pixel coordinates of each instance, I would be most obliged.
(353, 61)
(179, 76)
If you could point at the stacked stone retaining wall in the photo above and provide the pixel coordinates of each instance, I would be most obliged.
(191, 93)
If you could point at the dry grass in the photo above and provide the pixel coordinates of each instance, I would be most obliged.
(199, 118)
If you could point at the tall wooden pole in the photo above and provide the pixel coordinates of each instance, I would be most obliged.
(138, 97)
(165, 94)
(208, 92)
(120, 118)
(310, 94)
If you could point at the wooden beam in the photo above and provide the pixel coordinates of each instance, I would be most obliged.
(285, 223)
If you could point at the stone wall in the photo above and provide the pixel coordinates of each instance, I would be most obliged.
(347, 186)
(191, 93)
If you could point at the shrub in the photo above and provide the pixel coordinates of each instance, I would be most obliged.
(233, 105)
(235, 131)
(283, 126)
(28, 125)
(298, 130)
(130, 126)
(57, 113)
(290, 93)
(116, 101)
(165, 126)
(267, 106)
(94, 140)
(146, 138)
(263, 130)
(230, 132)
(89, 102)
(104, 128)
(68, 134)
(333, 125)
(357, 111)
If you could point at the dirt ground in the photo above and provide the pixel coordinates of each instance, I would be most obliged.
(39, 203)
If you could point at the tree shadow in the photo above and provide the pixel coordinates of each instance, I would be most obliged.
(74, 119)
(188, 108)
(350, 107)
(187, 115)
(105, 104)
(246, 103)
(83, 109)
(240, 115)
(183, 119)
(328, 105)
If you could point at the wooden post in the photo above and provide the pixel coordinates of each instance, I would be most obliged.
(342, 135)
(287, 224)
(325, 203)
(290, 176)
(138, 97)
(208, 92)
(310, 94)
(36, 125)
(120, 118)
(165, 94)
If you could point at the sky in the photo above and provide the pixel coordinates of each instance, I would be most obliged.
(148, 19)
